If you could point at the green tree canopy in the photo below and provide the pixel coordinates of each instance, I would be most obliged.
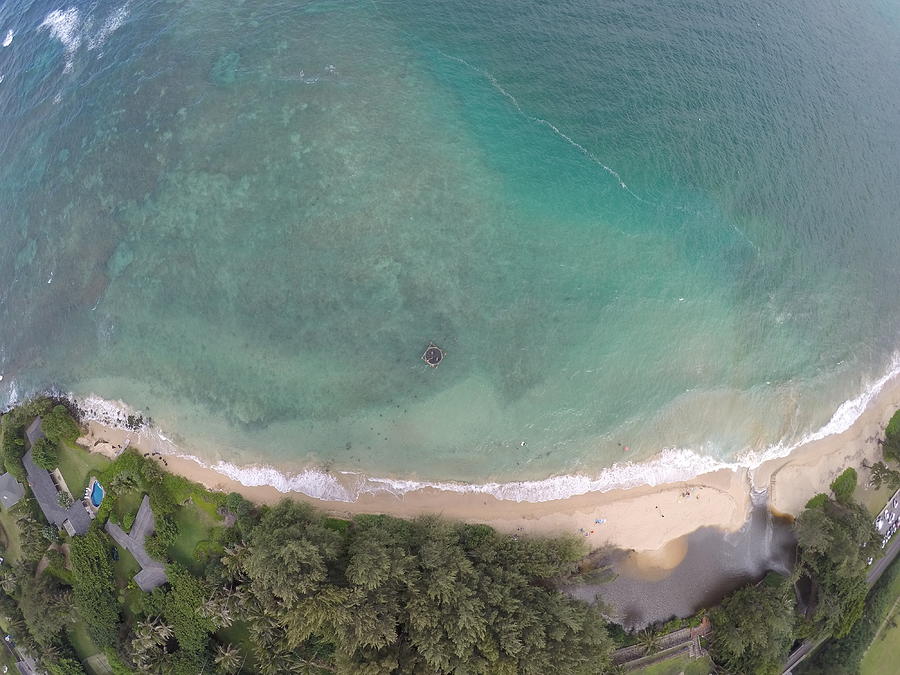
(882, 474)
(754, 628)
(180, 608)
(844, 485)
(892, 438)
(47, 608)
(59, 426)
(65, 666)
(45, 454)
(94, 586)
(422, 596)
(835, 541)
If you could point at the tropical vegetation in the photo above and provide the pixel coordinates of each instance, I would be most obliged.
(286, 589)
(283, 588)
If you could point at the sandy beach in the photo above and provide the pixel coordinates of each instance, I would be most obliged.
(651, 520)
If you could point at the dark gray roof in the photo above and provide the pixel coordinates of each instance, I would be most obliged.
(44, 491)
(151, 577)
(48, 498)
(79, 517)
(11, 490)
(152, 572)
(34, 432)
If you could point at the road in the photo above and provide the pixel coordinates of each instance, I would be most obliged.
(878, 568)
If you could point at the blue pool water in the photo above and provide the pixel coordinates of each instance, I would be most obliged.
(97, 494)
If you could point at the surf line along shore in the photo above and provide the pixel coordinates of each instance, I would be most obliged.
(644, 518)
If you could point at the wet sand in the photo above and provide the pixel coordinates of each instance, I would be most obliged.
(643, 519)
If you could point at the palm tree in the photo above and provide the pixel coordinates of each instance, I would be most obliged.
(216, 610)
(164, 633)
(228, 658)
(122, 481)
(51, 654)
(16, 625)
(648, 640)
(8, 583)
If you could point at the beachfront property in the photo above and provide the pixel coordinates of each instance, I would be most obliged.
(47, 486)
(152, 573)
(11, 490)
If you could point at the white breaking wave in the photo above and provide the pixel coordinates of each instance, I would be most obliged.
(12, 396)
(669, 466)
(113, 22)
(65, 26)
(311, 482)
(7, 41)
(71, 30)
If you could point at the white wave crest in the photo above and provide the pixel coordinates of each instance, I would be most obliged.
(65, 26)
(671, 465)
(311, 482)
(71, 30)
(113, 22)
(7, 41)
(13, 396)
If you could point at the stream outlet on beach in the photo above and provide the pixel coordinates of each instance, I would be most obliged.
(694, 571)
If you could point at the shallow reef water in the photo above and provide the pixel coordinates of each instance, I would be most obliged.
(660, 226)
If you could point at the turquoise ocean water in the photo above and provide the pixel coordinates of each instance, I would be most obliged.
(661, 225)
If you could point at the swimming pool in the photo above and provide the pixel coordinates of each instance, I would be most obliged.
(97, 494)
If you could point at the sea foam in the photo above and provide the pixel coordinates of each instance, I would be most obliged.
(65, 26)
(669, 466)
(71, 29)
(112, 23)
(7, 41)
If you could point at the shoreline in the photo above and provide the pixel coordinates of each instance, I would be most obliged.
(646, 518)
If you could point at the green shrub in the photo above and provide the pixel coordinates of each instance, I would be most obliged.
(12, 447)
(893, 428)
(94, 586)
(45, 454)
(59, 426)
(844, 486)
(162, 539)
(892, 438)
(128, 521)
(818, 501)
(65, 667)
(180, 609)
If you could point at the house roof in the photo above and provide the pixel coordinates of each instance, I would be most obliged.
(152, 572)
(34, 431)
(44, 491)
(151, 577)
(11, 490)
(48, 498)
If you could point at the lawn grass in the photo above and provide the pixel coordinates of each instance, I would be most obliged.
(679, 664)
(881, 656)
(82, 642)
(195, 525)
(124, 504)
(874, 500)
(124, 568)
(77, 465)
(10, 537)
